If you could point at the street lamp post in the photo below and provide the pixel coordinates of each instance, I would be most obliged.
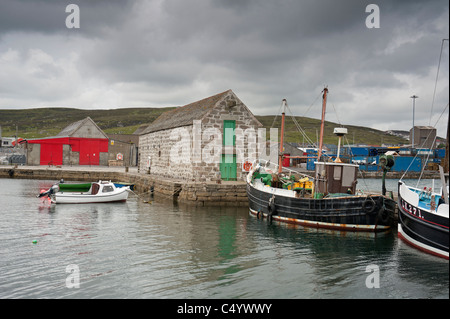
(414, 97)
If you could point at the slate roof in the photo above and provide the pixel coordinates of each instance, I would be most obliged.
(70, 129)
(184, 115)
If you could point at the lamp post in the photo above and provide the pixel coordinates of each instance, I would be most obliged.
(414, 97)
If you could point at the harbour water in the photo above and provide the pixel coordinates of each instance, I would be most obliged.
(164, 250)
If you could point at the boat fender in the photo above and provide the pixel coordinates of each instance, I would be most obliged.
(11, 173)
(383, 213)
(369, 205)
(271, 208)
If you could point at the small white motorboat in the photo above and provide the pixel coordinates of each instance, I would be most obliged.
(99, 192)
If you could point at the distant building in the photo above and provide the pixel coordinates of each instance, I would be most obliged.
(176, 143)
(7, 141)
(424, 136)
(289, 149)
(80, 143)
(123, 149)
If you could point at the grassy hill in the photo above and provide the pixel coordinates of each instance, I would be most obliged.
(44, 122)
(356, 134)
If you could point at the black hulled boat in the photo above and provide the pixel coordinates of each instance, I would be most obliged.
(423, 219)
(328, 199)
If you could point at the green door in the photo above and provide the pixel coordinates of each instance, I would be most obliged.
(228, 166)
(229, 139)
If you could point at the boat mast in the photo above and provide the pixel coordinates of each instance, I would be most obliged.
(280, 154)
(446, 149)
(322, 125)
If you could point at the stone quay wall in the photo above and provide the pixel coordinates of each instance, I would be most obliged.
(193, 193)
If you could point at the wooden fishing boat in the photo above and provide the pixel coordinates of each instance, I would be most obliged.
(328, 199)
(98, 192)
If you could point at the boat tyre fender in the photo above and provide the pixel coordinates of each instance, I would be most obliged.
(369, 205)
(383, 213)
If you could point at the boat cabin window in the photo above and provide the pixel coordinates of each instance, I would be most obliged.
(107, 189)
(348, 176)
(337, 173)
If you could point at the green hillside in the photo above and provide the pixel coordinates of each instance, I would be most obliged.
(356, 134)
(44, 122)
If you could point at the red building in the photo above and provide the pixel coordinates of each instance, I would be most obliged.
(80, 143)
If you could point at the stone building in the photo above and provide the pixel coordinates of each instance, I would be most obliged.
(207, 140)
(122, 150)
(423, 136)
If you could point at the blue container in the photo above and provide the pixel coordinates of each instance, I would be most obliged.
(310, 166)
(360, 151)
(440, 152)
(407, 163)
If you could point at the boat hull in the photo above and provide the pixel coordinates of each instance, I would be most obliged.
(350, 213)
(421, 228)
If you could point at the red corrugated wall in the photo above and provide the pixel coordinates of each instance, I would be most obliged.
(51, 154)
(89, 149)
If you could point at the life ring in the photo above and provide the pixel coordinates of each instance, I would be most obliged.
(247, 166)
(119, 156)
(369, 205)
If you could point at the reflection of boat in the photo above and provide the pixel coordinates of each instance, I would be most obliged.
(327, 200)
(423, 219)
(100, 192)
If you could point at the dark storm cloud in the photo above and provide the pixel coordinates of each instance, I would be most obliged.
(171, 52)
(49, 16)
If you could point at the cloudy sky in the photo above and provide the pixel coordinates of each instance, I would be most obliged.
(155, 53)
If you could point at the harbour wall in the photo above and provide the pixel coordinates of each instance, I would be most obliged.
(194, 193)
(227, 193)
